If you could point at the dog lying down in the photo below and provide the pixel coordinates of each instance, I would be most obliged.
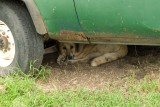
(70, 53)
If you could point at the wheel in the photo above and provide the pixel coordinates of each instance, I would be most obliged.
(19, 42)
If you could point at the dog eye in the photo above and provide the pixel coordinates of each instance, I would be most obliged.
(71, 47)
(64, 48)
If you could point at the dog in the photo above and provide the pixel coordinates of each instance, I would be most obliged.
(70, 53)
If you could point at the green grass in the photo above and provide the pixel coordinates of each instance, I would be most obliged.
(20, 90)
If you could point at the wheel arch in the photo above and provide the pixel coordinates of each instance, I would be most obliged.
(36, 16)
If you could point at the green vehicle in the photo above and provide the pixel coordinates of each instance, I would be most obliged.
(25, 23)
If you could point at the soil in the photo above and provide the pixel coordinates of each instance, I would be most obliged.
(140, 61)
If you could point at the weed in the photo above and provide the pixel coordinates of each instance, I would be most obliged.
(41, 73)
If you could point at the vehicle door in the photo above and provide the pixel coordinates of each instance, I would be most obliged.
(119, 18)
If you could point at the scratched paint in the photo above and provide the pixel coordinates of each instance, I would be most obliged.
(54, 9)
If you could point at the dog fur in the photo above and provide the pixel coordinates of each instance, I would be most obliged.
(70, 53)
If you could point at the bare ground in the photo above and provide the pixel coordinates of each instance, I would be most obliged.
(140, 61)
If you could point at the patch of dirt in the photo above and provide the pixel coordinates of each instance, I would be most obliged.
(140, 61)
(2, 88)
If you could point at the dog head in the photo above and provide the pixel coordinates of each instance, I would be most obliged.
(68, 50)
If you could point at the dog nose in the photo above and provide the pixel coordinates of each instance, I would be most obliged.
(70, 57)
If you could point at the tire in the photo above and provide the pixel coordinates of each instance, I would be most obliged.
(27, 44)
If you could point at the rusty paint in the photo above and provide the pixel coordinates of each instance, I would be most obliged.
(1, 43)
(109, 38)
(134, 39)
(5, 43)
(113, 35)
(71, 36)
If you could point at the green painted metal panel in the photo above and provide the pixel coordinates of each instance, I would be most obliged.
(103, 21)
(141, 18)
(58, 15)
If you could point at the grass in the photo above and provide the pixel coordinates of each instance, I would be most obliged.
(21, 90)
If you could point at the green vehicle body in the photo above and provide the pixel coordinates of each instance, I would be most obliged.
(102, 21)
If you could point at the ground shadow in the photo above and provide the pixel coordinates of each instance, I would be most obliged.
(140, 61)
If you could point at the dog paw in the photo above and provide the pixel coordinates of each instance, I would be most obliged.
(94, 64)
(61, 60)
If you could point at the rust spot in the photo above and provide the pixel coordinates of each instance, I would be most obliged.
(5, 43)
(126, 40)
(71, 36)
(132, 39)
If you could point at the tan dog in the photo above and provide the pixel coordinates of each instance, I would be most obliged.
(98, 54)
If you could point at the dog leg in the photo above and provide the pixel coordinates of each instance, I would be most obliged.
(108, 57)
(61, 60)
(103, 59)
(88, 57)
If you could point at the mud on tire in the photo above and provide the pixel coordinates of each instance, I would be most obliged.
(28, 44)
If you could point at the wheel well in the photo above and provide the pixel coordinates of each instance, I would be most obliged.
(35, 15)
